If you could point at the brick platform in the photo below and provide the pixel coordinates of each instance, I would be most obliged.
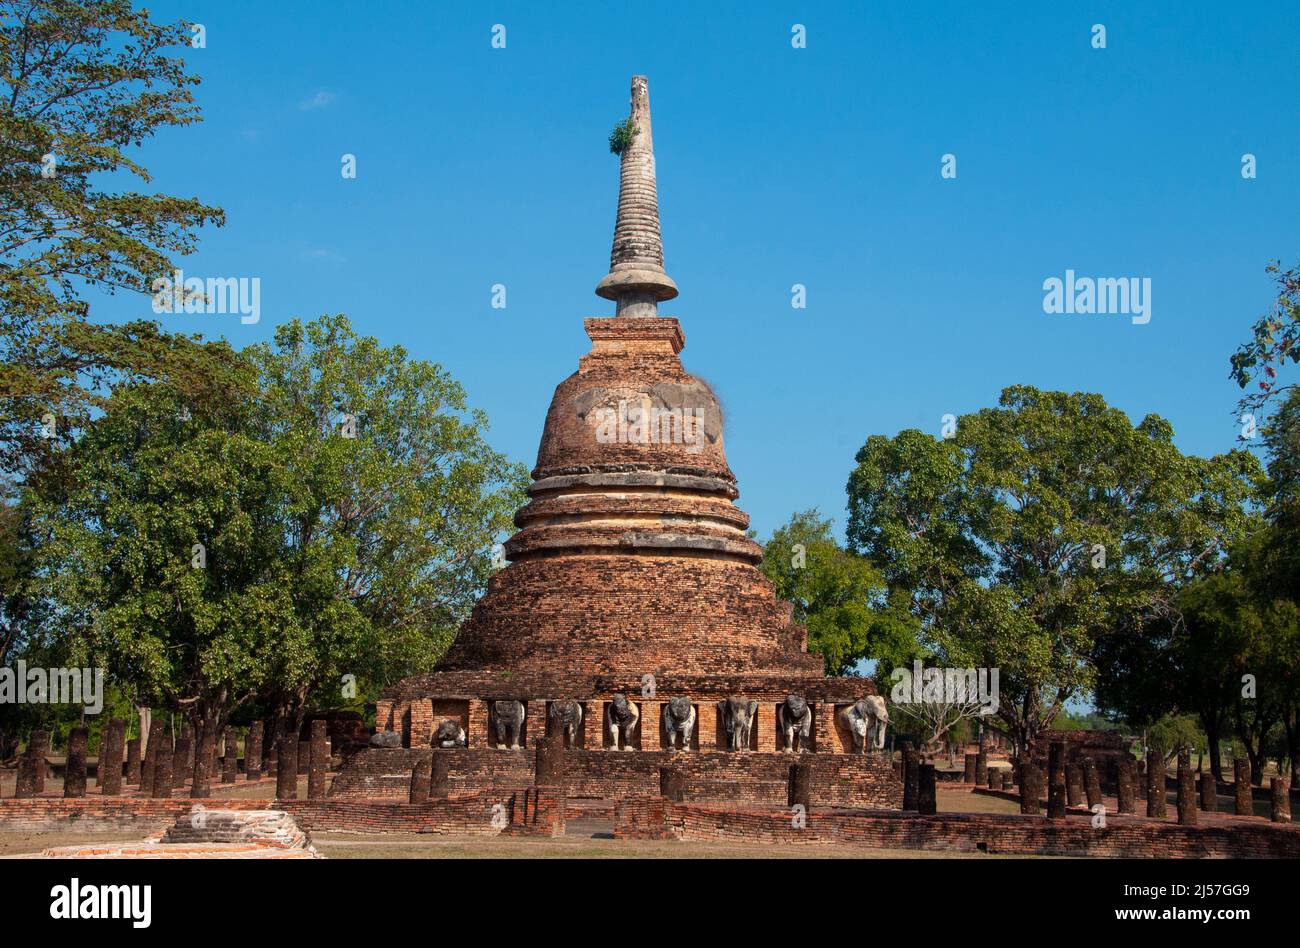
(520, 811)
(837, 779)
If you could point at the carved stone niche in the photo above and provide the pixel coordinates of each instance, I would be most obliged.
(451, 709)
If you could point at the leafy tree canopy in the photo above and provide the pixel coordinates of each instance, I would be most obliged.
(1043, 525)
(82, 85)
(218, 550)
(838, 595)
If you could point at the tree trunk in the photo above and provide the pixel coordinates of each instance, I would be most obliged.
(1211, 728)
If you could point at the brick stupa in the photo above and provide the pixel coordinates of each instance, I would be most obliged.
(631, 573)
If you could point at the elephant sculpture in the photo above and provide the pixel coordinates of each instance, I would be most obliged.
(449, 734)
(867, 719)
(566, 718)
(679, 718)
(623, 716)
(737, 720)
(509, 717)
(796, 722)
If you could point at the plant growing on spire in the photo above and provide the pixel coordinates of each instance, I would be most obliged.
(621, 137)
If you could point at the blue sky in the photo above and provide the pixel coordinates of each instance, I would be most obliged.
(776, 166)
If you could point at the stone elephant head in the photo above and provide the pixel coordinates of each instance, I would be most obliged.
(796, 722)
(566, 718)
(623, 717)
(738, 720)
(867, 719)
(509, 718)
(679, 719)
(449, 733)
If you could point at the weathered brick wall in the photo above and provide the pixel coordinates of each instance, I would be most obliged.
(837, 780)
(521, 811)
(1127, 837)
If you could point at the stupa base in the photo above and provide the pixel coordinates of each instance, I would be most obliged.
(757, 777)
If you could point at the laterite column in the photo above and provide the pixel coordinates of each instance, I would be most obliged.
(1243, 801)
(253, 751)
(133, 762)
(1056, 781)
(1073, 784)
(152, 745)
(162, 768)
(41, 750)
(286, 776)
(1186, 794)
(1209, 792)
(109, 777)
(201, 788)
(1156, 785)
(74, 771)
(911, 776)
(1092, 782)
(925, 794)
(319, 763)
(230, 760)
(1124, 784)
(1281, 800)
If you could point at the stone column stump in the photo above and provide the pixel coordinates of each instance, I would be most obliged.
(74, 770)
(1209, 792)
(253, 751)
(133, 762)
(1057, 781)
(926, 802)
(1281, 790)
(109, 777)
(162, 768)
(1243, 802)
(230, 759)
(1186, 796)
(320, 761)
(1126, 784)
(286, 776)
(1092, 782)
(201, 783)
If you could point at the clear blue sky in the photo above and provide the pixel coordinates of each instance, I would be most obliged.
(776, 166)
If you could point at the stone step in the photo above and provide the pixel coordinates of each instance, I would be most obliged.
(270, 829)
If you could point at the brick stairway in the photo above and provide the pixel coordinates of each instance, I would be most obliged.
(272, 828)
(211, 834)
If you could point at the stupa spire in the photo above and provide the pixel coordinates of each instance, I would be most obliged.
(636, 281)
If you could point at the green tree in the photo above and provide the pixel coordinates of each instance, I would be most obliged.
(1042, 526)
(838, 596)
(216, 551)
(82, 85)
(396, 502)
(1275, 343)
